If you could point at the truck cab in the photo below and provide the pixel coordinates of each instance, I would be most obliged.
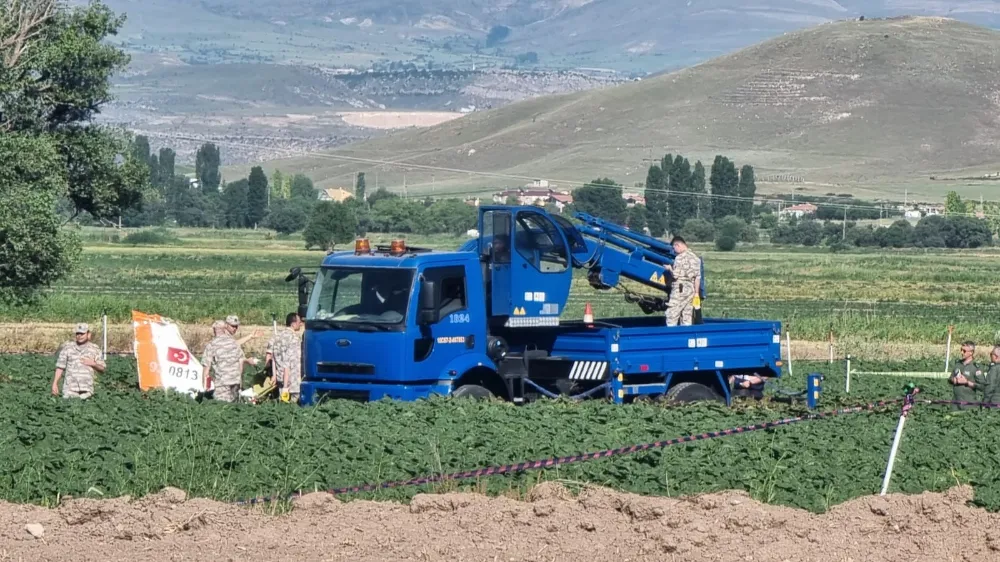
(396, 324)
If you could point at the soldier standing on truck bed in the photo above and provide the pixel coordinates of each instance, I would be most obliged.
(685, 276)
(224, 355)
(285, 349)
(78, 360)
(967, 377)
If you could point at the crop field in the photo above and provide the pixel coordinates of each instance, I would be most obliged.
(864, 299)
(125, 443)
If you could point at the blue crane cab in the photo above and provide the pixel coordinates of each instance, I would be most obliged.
(486, 320)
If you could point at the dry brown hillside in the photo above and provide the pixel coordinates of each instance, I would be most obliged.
(849, 103)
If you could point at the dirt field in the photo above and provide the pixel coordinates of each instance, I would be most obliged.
(552, 525)
(397, 119)
(47, 337)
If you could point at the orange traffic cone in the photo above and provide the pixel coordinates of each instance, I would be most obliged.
(588, 316)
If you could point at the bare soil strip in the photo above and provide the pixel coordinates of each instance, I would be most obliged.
(599, 524)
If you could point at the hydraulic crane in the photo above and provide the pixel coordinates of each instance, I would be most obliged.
(487, 320)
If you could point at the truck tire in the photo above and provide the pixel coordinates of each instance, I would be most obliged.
(472, 391)
(691, 392)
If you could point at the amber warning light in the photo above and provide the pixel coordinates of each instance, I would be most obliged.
(361, 246)
(398, 247)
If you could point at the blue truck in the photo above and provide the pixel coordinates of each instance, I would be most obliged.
(485, 321)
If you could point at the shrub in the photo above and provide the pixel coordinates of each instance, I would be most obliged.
(725, 243)
(152, 237)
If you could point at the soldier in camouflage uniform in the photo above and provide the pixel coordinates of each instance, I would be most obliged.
(78, 360)
(967, 377)
(285, 349)
(232, 324)
(685, 282)
(224, 355)
(992, 389)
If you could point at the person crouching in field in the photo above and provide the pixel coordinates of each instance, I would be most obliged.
(78, 360)
(224, 356)
(967, 378)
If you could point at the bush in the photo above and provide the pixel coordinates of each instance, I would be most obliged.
(698, 230)
(152, 237)
(288, 216)
(769, 221)
(736, 228)
(725, 243)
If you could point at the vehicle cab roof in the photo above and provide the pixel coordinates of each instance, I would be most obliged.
(381, 259)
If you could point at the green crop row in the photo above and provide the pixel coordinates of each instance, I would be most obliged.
(123, 442)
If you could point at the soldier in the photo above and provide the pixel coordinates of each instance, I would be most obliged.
(967, 377)
(233, 324)
(224, 354)
(992, 390)
(285, 349)
(685, 282)
(78, 360)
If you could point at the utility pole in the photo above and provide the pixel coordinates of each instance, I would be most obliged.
(843, 234)
(404, 185)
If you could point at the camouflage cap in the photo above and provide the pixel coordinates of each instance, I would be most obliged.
(82, 328)
(233, 320)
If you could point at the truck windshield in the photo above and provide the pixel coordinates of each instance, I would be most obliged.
(361, 295)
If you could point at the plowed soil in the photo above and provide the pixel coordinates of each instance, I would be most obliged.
(552, 525)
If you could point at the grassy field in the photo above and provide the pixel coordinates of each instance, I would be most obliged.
(866, 299)
(125, 443)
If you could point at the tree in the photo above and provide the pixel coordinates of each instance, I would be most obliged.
(725, 243)
(746, 189)
(302, 188)
(452, 216)
(289, 215)
(380, 194)
(329, 224)
(166, 173)
(656, 201)
(154, 171)
(725, 187)
(235, 205)
(256, 196)
(398, 215)
(206, 168)
(953, 204)
(698, 230)
(898, 235)
(737, 229)
(697, 187)
(277, 180)
(55, 76)
(496, 34)
(601, 198)
(140, 148)
(637, 218)
(680, 202)
(768, 221)
(34, 250)
(359, 187)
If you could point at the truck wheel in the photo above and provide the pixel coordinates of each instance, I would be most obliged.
(691, 392)
(472, 391)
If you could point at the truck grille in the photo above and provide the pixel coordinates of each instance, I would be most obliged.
(355, 395)
(338, 368)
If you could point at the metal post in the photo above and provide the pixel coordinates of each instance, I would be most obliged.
(831, 348)
(788, 340)
(896, 439)
(947, 350)
(104, 336)
(847, 383)
(274, 323)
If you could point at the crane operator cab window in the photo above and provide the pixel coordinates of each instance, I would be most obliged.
(537, 240)
(496, 234)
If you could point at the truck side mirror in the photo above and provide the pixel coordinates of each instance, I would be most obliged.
(429, 304)
(303, 296)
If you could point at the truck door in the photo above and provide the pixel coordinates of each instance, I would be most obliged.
(454, 332)
(494, 249)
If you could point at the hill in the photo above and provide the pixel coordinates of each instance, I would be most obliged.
(869, 105)
(626, 35)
